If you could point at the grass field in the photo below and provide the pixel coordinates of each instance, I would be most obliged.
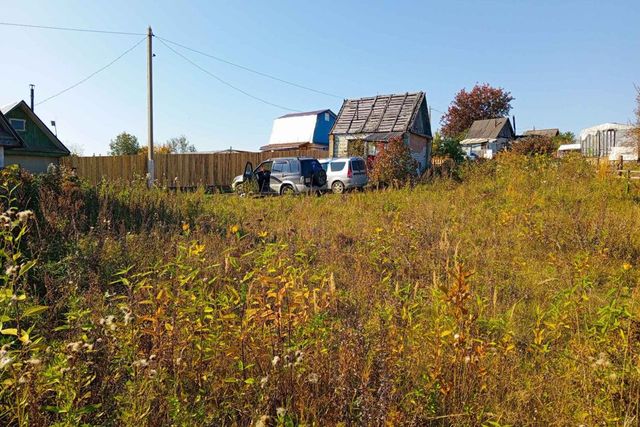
(508, 296)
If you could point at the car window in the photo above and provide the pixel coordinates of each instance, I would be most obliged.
(358, 165)
(294, 166)
(280, 167)
(325, 166)
(337, 166)
(264, 167)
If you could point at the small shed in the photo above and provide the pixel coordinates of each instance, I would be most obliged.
(40, 146)
(364, 124)
(488, 137)
(610, 140)
(301, 130)
(551, 133)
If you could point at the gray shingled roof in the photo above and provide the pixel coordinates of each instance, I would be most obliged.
(378, 114)
(543, 132)
(489, 128)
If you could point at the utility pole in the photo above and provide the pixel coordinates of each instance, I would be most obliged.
(150, 164)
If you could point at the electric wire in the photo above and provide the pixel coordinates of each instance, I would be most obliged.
(83, 30)
(92, 74)
(204, 70)
(251, 70)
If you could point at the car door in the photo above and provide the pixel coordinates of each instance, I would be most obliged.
(279, 171)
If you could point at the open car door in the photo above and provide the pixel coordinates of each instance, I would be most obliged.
(248, 172)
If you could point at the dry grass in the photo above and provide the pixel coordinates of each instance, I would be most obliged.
(509, 298)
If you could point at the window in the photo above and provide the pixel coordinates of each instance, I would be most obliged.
(358, 165)
(337, 166)
(294, 166)
(18, 124)
(325, 166)
(280, 167)
(327, 116)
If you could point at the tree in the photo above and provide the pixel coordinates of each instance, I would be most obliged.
(535, 145)
(448, 147)
(124, 144)
(393, 165)
(482, 102)
(178, 144)
(564, 138)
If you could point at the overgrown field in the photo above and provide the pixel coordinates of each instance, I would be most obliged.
(508, 296)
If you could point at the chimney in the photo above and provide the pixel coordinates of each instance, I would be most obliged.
(515, 132)
(32, 87)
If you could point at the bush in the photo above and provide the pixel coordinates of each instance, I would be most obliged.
(393, 165)
(535, 145)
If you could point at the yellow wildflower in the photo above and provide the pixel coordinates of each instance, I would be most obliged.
(626, 266)
(234, 228)
(262, 234)
(185, 226)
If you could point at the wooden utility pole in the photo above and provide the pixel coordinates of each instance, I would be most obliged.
(150, 165)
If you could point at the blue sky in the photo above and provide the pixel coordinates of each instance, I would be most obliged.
(569, 64)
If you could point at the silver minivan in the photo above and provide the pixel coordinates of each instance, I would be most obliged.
(345, 173)
(284, 175)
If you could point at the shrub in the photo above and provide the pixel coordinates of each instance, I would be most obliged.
(393, 165)
(535, 145)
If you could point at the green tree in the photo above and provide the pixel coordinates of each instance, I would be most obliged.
(448, 147)
(564, 138)
(124, 144)
(178, 144)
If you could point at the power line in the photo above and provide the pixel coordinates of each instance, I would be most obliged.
(94, 73)
(204, 70)
(260, 73)
(83, 30)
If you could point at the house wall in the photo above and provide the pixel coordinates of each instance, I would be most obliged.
(34, 138)
(34, 164)
(323, 127)
(420, 147)
(293, 129)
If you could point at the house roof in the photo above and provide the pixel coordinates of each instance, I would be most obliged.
(292, 146)
(58, 147)
(543, 132)
(378, 114)
(489, 128)
(8, 136)
(308, 113)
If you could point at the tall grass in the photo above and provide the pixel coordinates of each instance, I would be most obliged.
(507, 297)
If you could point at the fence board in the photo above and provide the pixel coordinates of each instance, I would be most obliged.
(184, 170)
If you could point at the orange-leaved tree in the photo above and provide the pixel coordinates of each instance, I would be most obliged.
(393, 165)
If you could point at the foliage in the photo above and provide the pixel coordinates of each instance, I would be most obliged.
(124, 144)
(356, 148)
(393, 164)
(481, 102)
(178, 144)
(535, 145)
(508, 298)
(449, 147)
(564, 138)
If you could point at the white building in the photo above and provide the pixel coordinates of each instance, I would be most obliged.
(610, 140)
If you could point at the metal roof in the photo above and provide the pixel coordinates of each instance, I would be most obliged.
(378, 114)
(293, 146)
(489, 128)
(308, 113)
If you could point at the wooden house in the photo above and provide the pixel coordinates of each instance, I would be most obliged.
(40, 146)
(9, 138)
(301, 131)
(364, 125)
(487, 137)
(550, 133)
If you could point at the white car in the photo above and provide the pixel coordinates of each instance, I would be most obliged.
(345, 173)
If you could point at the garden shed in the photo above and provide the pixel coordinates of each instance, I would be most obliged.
(295, 131)
(364, 125)
(487, 137)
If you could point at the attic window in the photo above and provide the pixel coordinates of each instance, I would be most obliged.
(326, 117)
(18, 124)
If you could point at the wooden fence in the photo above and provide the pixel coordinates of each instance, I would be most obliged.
(176, 170)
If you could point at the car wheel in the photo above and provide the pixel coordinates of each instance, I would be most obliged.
(287, 189)
(337, 187)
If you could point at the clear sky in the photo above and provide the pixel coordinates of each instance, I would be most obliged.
(569, 64)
